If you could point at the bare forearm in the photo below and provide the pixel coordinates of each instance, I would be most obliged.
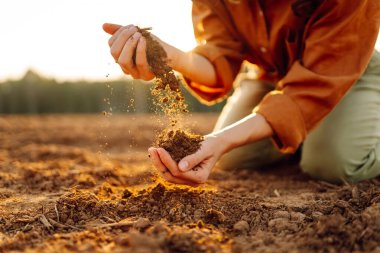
(250, 129)
(193, 66)
(197, 68)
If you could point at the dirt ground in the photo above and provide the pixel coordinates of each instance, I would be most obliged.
(84, 184)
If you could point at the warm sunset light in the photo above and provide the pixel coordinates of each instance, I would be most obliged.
(65, 39)
(134, 145)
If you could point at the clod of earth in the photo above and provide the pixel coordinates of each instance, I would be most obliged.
(241, 227)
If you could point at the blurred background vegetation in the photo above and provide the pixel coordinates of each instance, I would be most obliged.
(34, 94)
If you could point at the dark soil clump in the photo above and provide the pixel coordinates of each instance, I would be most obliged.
(157, 60)
(179, 143)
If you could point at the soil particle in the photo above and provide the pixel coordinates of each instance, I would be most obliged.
(159, 228)
(134, 209)
(241, 227)
(281, 214)
(136, 242)
(198, 214)
(371, 215)
(316, 215)
(126, 194)
(142, 223)
(282, 224)
(157, 192)
(214, 217)
(297, 217)
(355, 193)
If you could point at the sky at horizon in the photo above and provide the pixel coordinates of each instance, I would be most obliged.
(65, 40)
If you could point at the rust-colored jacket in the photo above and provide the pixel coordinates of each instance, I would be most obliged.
(314, 50)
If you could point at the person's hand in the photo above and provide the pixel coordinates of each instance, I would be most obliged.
(128, 48)
(195, 169)
(192, 170)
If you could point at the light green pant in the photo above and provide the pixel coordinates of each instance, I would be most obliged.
(344, 147)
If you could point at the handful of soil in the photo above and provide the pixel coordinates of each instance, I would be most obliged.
(169, 98)
(179, 143)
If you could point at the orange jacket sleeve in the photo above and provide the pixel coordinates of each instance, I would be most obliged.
(220, 47)
(338, 44)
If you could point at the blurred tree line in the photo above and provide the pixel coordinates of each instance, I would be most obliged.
(35, 94)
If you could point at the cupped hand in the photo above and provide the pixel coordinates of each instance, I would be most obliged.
(128, 48)
(192, 170)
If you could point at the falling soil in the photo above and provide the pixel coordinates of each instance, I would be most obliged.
(171, 101)
(157, 60)
(58, 194)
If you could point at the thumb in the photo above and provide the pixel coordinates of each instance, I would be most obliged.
(111, 28)
(190, 161)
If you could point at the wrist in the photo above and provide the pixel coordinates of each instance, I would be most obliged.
(173, 56)
(250, 129)
(193, 66)
(178, 60)
(225, 142)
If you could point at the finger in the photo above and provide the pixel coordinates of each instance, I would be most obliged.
(160, 167)
(119, 32)
(111, 28)
(120, 41)
(156, 160)
(132, 72)
(142, 62)
(191, 161)
(125, 59)
(172, 179)
(169, 162)
(199, 173)
(198, 176)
